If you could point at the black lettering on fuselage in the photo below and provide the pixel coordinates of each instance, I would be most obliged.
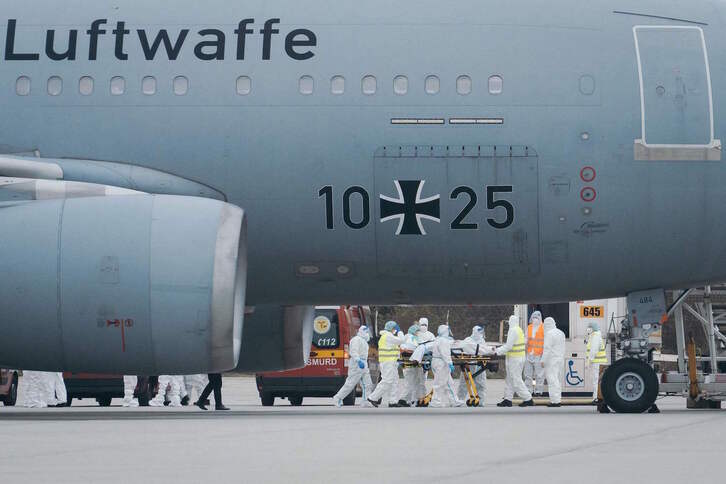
(172, 51)
(211, 45)
(10, 53)
(70, 52)
(217, 45)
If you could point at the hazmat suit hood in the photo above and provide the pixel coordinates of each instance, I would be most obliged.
(364, 333)
(536, 317)
(477, 334)
(424, 323)
(549, 324)
(513, 321)
(444, 331)
(594, 326)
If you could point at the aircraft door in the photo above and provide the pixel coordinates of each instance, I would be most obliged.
(675, 92)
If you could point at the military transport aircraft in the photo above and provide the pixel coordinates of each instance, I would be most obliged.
(181, 182)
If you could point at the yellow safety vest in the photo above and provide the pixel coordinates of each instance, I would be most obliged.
(601, 356)
(386, 352)
(518, 348)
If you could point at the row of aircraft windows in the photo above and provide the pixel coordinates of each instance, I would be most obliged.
(86, 85)
(180, 85)
(369, 85)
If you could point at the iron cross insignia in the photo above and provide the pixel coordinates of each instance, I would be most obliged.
(409, 208)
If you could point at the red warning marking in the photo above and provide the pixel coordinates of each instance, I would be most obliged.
(121, 323)
(588, 194)
(588, 174)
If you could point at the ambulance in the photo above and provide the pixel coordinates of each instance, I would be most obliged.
(574, 319)
(327, 368)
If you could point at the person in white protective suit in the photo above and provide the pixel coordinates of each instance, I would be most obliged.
(474, 345)
(595, 355)
(32, 390)
(391, 338)
(442, 366)
(534, 339)
(514, 362)
(410, 374)
(195, 383)
(55, 388)
(168, 388)
(183, 393)
(553, 361)
(425, 335)
(358, 370)
(129, 400)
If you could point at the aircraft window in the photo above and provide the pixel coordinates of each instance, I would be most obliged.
(148, 85)
(400, 85)
(85, 86)
(307, 85)
(181, 85)
(244, 85)
(22, 86)
(337, 85)
(369, 85)
(496, 83)
(118, 85)
(432, 85)
(463, 85)
(55, 85)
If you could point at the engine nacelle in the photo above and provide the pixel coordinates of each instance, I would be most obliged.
(134, 284)
(276, 338)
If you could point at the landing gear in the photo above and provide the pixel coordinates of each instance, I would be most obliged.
(630, 386)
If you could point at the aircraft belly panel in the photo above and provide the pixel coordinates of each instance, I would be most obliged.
(466, 211)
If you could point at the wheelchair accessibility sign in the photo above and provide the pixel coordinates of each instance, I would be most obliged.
(575, 373)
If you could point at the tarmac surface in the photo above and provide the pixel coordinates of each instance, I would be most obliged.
(321, 443)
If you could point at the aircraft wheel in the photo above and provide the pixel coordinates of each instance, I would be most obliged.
(267, 400)
(12, 397)
(629, 386)
(349, 400)
(295, 401)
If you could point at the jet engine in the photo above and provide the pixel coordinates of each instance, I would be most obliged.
(122, 282)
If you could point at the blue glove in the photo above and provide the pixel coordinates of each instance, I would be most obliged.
(398, 328)
(451, 368)
(361, 364)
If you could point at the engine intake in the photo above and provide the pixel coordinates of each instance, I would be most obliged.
(134, 284)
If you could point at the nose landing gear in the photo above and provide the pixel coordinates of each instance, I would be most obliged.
(630, 386)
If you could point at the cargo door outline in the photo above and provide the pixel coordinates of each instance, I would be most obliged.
(504, 253)
(650, 65)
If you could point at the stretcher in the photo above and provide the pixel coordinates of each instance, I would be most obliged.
(471, 366)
